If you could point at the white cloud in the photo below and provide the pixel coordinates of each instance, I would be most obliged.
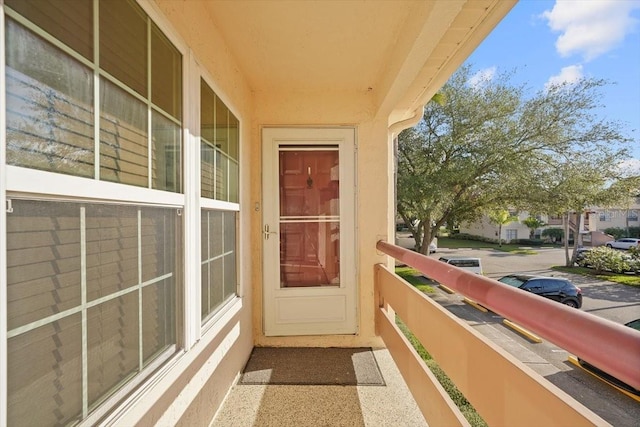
(482, 76)
(570, 74)
(630, 167)
(591, 28)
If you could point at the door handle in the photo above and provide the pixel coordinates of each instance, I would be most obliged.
(266, 232)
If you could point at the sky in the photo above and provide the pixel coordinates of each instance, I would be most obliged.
(552, 41)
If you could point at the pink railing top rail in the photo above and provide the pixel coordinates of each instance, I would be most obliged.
(612, 347)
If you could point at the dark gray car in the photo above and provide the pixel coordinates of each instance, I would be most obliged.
(557, 289)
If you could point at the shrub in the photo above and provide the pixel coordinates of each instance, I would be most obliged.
(616, 232)
(465, 236)
(619, 232)
(554, 234)
(530, 242)
(607, 259)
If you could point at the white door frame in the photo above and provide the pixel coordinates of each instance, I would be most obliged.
(322, 310)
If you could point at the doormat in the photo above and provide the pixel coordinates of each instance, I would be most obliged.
(312, 366)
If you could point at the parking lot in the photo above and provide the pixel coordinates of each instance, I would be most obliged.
(612, 301)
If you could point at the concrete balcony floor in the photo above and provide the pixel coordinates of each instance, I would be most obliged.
(323, 405)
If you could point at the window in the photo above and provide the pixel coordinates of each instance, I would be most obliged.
(219, 148)
(553, 285)
(605, 216)
(51, 110)
(512, 234)
(219, 174)
(94, 287)
(218, 239)
(95, 294)
(632, 215)
(92, 293)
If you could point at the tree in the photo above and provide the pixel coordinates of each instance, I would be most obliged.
(569, 186)
(533, 224)
(555, 234)
(501, 217)
(475, 151)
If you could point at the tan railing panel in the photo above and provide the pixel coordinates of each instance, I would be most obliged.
(433, 401)
(503, 390)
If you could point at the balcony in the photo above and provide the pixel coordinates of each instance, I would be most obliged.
(412, 394)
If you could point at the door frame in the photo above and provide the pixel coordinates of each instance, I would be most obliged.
(325, 310)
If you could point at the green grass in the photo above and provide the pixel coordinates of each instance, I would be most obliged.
(458, 398)
(445, 242)
(415, 278)
(625, 279)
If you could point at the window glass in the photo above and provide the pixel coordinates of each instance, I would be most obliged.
(49, 106)
(112, 249)
(125, 259)
(123, 43)
(112, 335)
(207, 170)
(219, 275)
(219, 148)
(44, 374)
(50, 94)
(221, 131)
(222, 176)
(166, 75)
(234, 185)
(124, 148)
(234, 145)
(43, 259)
(511, 281)
(167, 155)
(552, 285)
(229, 234)
(158, 318)
(69, 21)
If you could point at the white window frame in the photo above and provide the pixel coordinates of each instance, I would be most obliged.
(3, 231)
(206, 203)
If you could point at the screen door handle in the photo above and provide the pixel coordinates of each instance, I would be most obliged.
(266, 232)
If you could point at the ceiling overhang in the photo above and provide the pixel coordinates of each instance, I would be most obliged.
(401, 51)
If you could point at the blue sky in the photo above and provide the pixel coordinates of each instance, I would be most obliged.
(550, 41)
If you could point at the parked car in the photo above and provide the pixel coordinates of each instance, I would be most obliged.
(581, 252)
(635, 324)
(471, 264)
(554, 288)
(624, 243)
(433, 246)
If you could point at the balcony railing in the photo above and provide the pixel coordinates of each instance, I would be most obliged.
(502, 389)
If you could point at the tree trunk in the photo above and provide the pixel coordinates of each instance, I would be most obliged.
(577, 239)
(427, 235)
(565, 225)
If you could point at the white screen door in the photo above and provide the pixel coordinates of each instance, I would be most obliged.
(308, 231)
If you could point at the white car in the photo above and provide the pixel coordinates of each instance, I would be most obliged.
(433, 247)
(624, 243)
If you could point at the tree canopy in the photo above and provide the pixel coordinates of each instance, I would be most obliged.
(489, 146)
